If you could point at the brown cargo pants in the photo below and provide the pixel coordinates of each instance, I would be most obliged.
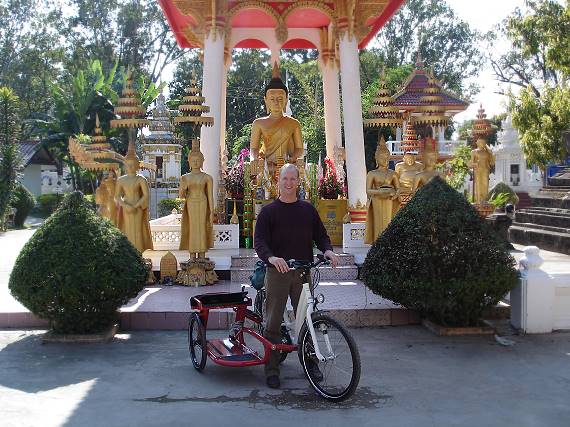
(278, 288)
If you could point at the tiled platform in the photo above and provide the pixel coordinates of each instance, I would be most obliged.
(168, 307)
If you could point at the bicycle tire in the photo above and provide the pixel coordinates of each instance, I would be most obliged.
(323, 325)
(197, 340)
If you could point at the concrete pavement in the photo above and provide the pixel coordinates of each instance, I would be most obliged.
(409, 378)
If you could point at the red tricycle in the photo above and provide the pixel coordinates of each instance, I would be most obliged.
(321, 339)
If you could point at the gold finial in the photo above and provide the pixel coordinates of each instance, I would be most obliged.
(381, 147)
(234, 219)
(131, 153)
(195, 145)
(97, 123)
(275, 74)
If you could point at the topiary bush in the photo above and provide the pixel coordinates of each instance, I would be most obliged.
(165, 206)
(502, 188)
(439, 258)
(77, 270)
(48, 203)
(23, 200)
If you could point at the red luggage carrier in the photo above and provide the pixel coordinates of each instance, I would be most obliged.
(231, 351)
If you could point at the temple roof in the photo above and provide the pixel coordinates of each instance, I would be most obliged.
(189, 19)
(414, 89)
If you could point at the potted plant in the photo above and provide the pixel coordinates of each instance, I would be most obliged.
(501, 195)
(330, 187)
(439, 258)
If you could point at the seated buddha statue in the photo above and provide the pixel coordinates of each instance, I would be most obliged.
(382, 189)
(482, 159)
(196, 187)
(276, 138)
(132, 198)
(406, 171)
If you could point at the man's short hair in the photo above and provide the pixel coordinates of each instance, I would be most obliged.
(286, 167)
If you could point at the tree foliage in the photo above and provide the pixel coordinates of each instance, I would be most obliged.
(9, 131)
(538, 63)
(443, 40)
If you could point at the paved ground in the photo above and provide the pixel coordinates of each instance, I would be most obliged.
(409, 378)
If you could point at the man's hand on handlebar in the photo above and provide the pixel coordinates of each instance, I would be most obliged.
(332, 257)
(279, 263)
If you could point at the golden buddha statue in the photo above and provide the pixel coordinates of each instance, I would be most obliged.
(406, 171)
(382, 189)
(101, 199)
(198, 212)
(132, 198)
(110, 182)
(429, 161)
(482, 159)
(276, 138)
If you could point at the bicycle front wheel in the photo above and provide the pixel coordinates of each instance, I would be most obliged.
(337, 377)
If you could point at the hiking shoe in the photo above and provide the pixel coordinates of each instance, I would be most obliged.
(273, 381)
(314, 371)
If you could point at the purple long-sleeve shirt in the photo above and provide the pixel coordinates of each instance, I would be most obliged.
(287, 230)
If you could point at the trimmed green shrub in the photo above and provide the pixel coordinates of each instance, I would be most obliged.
(165, 206)
(48, 203)
(24, 201)
(502, 188)
(77, 270)
(439, 258)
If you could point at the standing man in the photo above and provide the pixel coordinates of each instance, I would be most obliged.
(286, 229)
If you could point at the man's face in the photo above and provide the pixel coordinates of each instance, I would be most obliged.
(276, 100)
(288, 183)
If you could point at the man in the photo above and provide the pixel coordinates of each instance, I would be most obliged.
(286, 230)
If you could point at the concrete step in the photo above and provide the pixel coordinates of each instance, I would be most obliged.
(345, 272)
(250, 260)
(551, 228)
(551, 199)
(549, 240)
(547, 217)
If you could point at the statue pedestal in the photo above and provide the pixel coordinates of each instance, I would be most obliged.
(353, 236)
(197, 272)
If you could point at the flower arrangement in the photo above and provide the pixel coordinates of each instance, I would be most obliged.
(235, 178)
(329, 185)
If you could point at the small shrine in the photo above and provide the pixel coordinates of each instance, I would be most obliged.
(160, 147)
(510, 165)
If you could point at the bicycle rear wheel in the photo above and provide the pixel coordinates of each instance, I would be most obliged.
(336, 378)
(197, 341)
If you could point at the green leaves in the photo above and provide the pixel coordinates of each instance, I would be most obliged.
(439, 258)
(9, 132)
(77, 270)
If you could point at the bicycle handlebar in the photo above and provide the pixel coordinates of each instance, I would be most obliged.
(293, 264)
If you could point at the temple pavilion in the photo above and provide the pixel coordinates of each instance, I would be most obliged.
(336, 28)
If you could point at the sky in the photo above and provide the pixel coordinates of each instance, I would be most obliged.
(483, 15)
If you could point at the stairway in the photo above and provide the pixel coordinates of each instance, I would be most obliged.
(524, 201)
(242, 268)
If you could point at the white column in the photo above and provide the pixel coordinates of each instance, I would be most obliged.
(212, 91)
(223, 112)
(352, 116)
(398, 134)
(331, 99)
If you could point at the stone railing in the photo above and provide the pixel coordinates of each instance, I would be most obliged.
(165, 234)
(445, 147)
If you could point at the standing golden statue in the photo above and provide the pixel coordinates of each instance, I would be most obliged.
(198, 213)
(482, 159)
(276, 137)
(132, 198)
(429, 160)
(382, 189)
